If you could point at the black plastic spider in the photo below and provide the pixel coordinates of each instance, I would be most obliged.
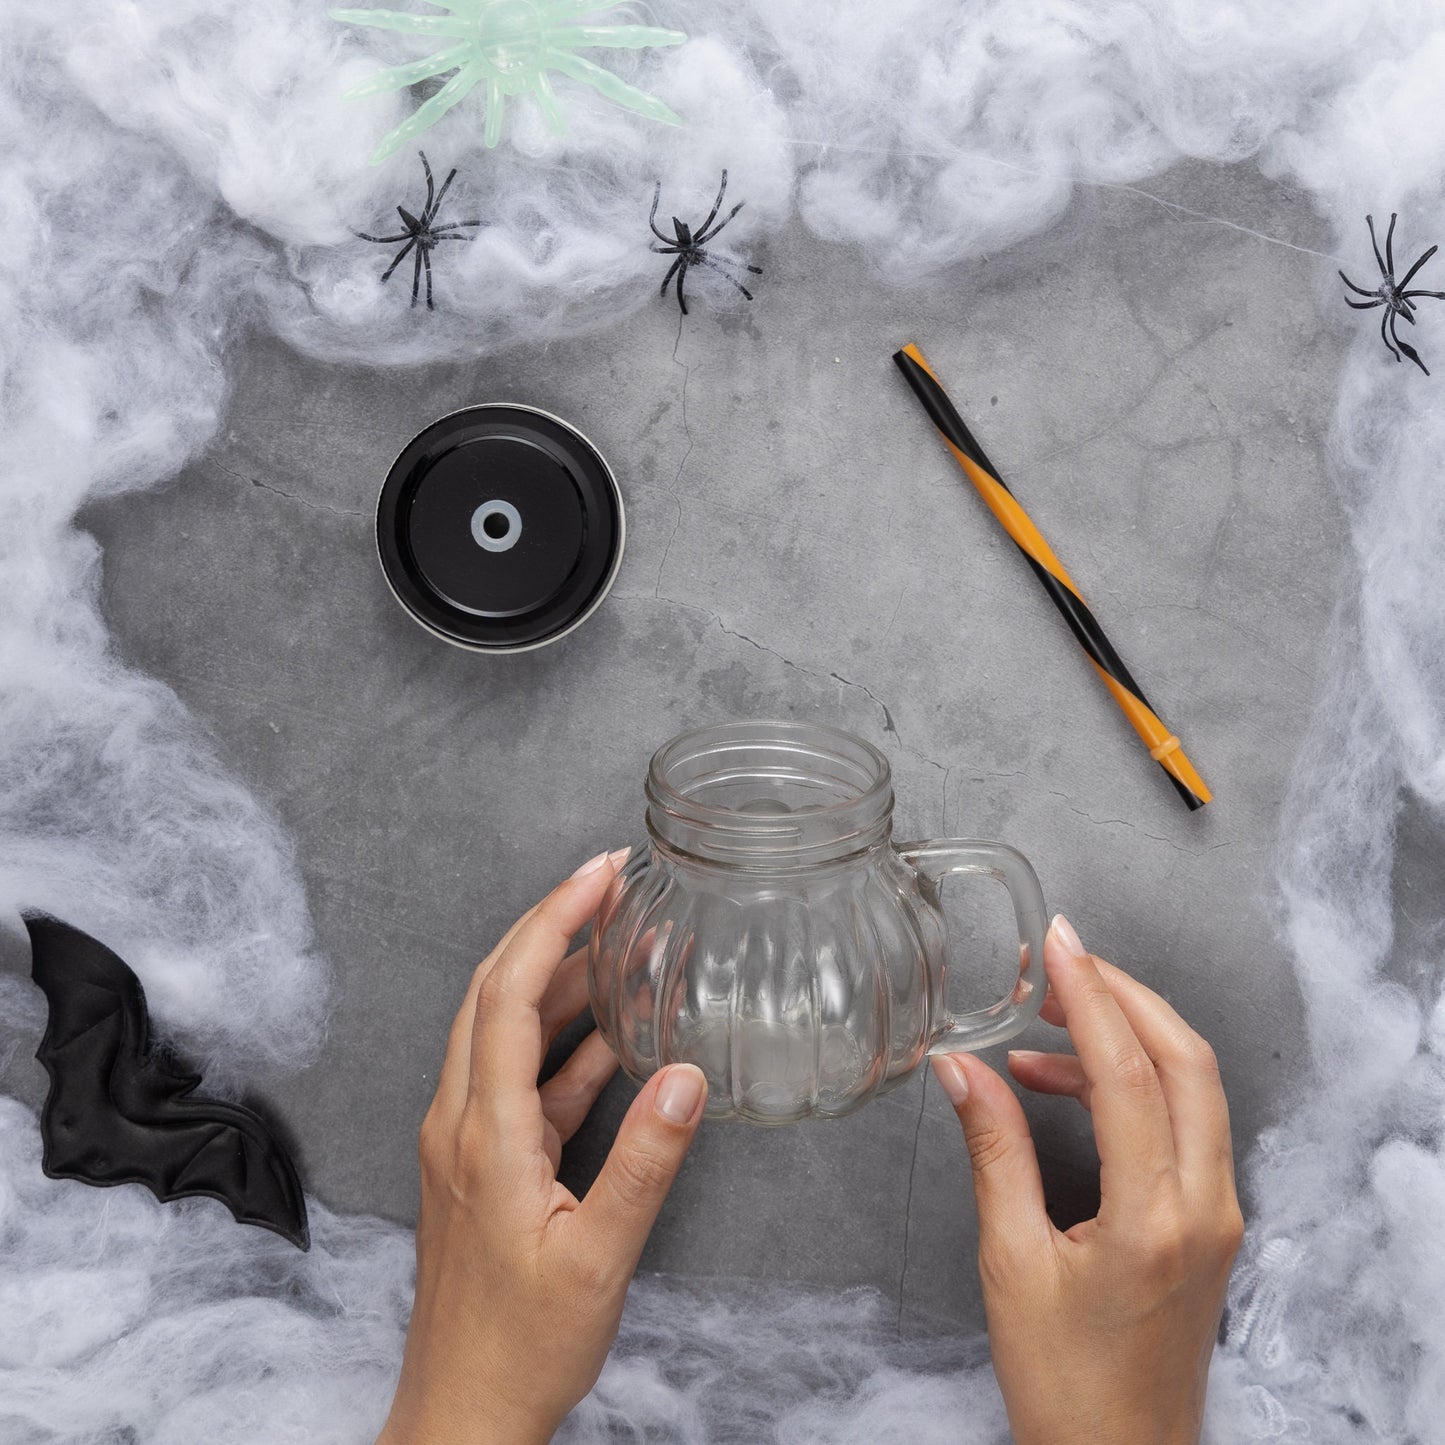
(689, 248)
(1392, 294)
(421, 234)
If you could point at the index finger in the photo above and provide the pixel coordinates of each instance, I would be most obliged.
(456, 1069)
(1131, 1118)
(507, 1035)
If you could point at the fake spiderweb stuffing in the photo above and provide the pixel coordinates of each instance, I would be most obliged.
(508, 46)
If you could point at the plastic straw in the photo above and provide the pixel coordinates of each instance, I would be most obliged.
(1163, 746)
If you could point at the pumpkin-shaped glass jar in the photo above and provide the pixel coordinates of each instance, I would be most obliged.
(775, 936)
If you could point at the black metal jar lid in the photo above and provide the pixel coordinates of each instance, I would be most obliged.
(500, 528)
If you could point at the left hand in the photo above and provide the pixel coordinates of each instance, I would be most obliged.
(520, 1285)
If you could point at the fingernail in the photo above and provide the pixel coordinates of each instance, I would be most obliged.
(591, 866)
(680, 1093)
(1063, 930)
(621, 856)
(950, 1074)
(1025, 1055)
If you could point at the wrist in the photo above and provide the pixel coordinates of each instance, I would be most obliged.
(1135, 1423)
(495, 1422)
(1064, 1436)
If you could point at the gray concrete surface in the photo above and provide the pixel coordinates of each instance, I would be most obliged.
(1156, 387)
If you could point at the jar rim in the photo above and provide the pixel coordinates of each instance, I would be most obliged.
(840, 761)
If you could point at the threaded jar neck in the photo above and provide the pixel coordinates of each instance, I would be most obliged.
(768, 796)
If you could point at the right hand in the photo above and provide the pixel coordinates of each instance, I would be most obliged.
(1102, 1334)
(519, 1284)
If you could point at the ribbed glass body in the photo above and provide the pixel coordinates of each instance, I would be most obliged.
(771, 934)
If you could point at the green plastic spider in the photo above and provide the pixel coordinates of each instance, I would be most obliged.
(508, 46)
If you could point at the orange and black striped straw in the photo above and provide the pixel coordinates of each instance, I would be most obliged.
(1162, 744)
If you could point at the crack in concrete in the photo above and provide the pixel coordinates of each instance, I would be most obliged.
(908, 1200)
(952, 155)
(898, 607)
(1221, 529)
(1133, 827)
(687, 430)
(1102, 822)
(716, 618)
(888, 724)
(751, 641)
(1266, 642)
(290, 496)
(1213, 220)
(1073, 448)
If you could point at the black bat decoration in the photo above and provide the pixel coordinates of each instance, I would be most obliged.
(122, 1112)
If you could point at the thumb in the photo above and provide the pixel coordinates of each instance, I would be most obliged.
(626, 1197)
(1007, 1187)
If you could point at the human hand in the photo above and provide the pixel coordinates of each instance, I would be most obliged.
(1101, 1334)
(519, 1286)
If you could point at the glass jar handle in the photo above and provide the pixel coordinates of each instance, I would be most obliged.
(1012, 1013)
